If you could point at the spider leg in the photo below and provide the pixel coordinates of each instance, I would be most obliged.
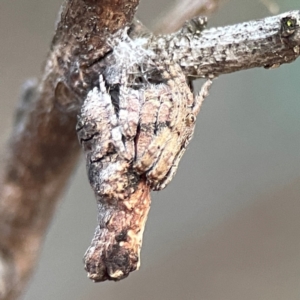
(201, 96)
(147, 127)
(180, 133)
(109, 121)
(96, 122)
(161, 130)
(188, 133)
(99, 132)
(172, 144)
(129, 109)
(161, 181)
(160, 170)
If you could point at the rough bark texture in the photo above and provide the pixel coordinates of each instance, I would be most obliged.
(115, 248)
(43, 148)
(267, 43)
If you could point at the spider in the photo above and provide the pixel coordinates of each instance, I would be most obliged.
(141, 138)
(145, 136)
(167, 123)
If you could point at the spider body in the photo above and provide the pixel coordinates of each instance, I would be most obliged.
(131, 146)
(146, 135)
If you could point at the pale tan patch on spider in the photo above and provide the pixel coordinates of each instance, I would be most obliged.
(167, 123)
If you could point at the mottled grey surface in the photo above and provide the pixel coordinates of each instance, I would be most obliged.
(227, 227)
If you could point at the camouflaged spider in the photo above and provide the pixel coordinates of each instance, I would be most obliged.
(146, 135)
(131, 146)
(167, 122)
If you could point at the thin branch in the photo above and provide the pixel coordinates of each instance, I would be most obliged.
(43, 148)
(267, 43)
(184, 10)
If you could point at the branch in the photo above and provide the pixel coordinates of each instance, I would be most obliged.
(135, 127)
(267, 43)
(43, 147)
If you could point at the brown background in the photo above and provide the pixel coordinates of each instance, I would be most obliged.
(228, 226)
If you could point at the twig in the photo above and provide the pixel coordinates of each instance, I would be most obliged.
(267, 43)
(43, 148)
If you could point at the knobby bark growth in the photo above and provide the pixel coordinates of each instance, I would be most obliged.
(43, 148)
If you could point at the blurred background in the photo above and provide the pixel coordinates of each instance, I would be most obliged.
(228, 226)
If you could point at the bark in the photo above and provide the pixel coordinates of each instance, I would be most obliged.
(43, 148)
(267, 43)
